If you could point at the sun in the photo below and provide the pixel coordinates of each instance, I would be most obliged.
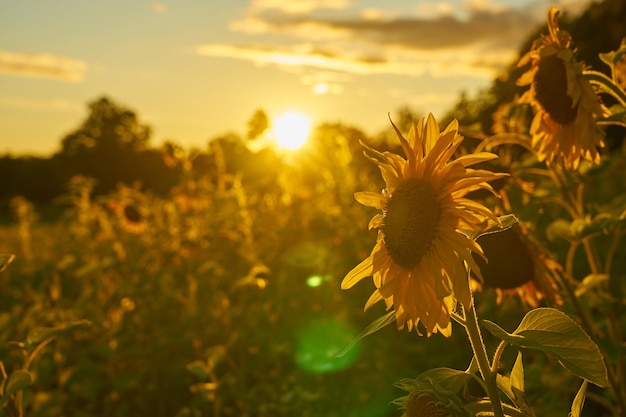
(291, 129)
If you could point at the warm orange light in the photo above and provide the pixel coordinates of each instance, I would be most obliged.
(291, 129)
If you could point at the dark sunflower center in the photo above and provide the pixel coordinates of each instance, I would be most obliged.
(510, 263)
(410, 222)
(132, 214)
(551, 90)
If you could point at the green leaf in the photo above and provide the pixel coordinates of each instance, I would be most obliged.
(506, 222)
(517, 387)
(39, 334)
(578, 229)
(589, 282)
(551, 331)
(18, 380)
(5, 260)
(376, 325)
(504, 383)
(448, 378)
(517, 375)
(579, 401)
(613, 58)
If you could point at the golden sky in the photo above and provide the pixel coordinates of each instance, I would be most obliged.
(196, 69)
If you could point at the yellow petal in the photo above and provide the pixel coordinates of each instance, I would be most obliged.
(362, 270)
(370, 199)
(374, 298)
(376, 222)
(431, 133)
(476, 158)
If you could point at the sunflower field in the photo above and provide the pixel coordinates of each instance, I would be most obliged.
(493, 270)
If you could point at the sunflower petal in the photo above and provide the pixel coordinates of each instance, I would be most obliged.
(374, 298)
(376, 222)
(475, 158)
(362, 270)
(370, 199)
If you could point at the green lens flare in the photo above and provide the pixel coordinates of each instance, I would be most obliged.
(320, 342)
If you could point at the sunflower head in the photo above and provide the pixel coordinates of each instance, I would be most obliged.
(565, 104)
(131, 217)
(130, 209)
(419, 261)
(517, 266)
(428, 398)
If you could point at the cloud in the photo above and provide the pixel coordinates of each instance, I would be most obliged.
(298, 6)
(22, 103)
(396, 61)
(506, 27)
(478, 39)
(306, 55)
(42, 66)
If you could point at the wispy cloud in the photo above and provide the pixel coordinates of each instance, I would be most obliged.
(396, 61)
(478, 39)
(444, 31)
(298, 6)
(54, 104)
(42, 66)
(307, 55)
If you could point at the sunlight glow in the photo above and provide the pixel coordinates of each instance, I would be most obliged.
(291, 129)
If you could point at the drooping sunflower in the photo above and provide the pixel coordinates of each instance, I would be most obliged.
(518, 266)
(417, 263)
(565, 104)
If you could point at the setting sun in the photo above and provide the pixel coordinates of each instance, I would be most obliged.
(291, 129)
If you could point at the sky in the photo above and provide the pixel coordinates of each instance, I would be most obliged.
(197, 69)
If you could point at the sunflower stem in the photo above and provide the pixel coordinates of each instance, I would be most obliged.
(480, 353)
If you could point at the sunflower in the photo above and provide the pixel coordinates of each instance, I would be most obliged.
(417, 263)
(518, 266)
(130, 209)
(131, 217)
(565, 104)
(429, 397)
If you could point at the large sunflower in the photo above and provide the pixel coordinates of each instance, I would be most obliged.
(418, 261)
(565, 104)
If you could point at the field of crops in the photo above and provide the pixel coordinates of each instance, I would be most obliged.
(497, 259)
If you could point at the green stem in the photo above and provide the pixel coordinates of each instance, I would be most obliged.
(480, 353)
(495, 364)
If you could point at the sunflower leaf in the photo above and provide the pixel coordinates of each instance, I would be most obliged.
(589, 282)
(375, 326)
(39, 334)
(552, 331)
(579, 401)
(506, 222)
(578, 229)
(18, 380)
(448, 378)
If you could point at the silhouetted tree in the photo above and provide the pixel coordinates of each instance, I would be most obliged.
(257, 124)
(108, 126)
(111, 146)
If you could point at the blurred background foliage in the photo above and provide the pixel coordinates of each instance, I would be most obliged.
(205, 282)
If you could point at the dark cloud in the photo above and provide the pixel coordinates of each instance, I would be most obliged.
(503, 28)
